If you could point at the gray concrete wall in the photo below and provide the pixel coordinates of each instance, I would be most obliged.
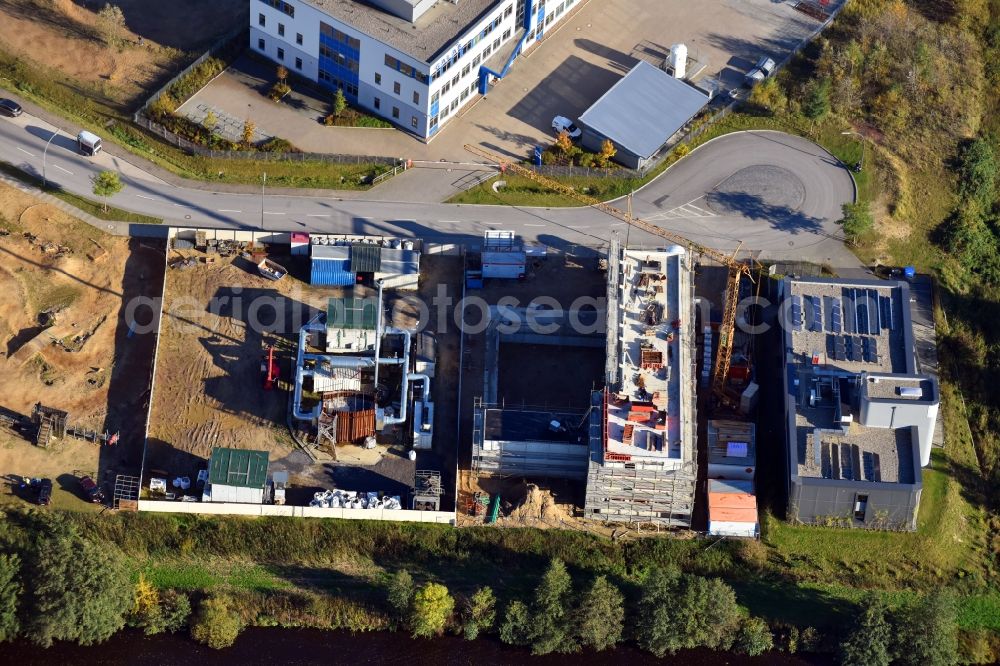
(831, 502)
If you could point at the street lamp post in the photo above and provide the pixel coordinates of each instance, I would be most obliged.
(45, 152)
(861, 164)
(263, 182)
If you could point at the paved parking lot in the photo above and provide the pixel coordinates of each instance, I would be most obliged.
(572, 68)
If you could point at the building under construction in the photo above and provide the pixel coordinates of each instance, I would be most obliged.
(642, 466)
(635, 447)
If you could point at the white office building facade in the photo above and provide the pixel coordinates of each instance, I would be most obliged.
(415, 63)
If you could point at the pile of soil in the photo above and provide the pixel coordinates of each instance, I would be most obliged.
(537, 507)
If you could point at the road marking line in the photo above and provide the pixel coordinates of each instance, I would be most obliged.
(182, 205)
(62, 169)
(25, 151)
(319, 215)
(269, 213)
(226, 210)
(143, 196)
(533, 225)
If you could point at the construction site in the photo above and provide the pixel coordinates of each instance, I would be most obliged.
(295, 349)
(76, 380)
(618, 446)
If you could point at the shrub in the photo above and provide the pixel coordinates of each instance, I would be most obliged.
(400, 592)
(480, 613)
(278, 145)
(339, 102)
(753, 638)
(162, 106)
(215, 624)
(516, 626)
(817, 99)
(279, 90)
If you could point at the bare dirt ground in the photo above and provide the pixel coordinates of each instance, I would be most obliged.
(63, 34)
(208, 389)
(73, 358)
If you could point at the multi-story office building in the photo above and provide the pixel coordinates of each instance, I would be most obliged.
(413, 62)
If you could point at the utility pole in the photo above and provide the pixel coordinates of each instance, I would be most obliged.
(263, 182)
(45, 152)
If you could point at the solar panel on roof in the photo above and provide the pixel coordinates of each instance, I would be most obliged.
(870, 349)
(885, 309)
(869, 465)
(816, 316)
(874, 314)
(861, 307)
(856, 350)
(837, 316)
(850, 314)
(831, 346)
(840, 352)
(846, 468)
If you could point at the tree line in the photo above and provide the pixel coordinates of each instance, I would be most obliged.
(58, 585)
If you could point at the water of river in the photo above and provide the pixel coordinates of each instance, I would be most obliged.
(309, 646)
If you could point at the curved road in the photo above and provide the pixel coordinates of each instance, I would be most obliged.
(779, 194)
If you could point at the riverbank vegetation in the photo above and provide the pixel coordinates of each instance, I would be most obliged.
(552, 591)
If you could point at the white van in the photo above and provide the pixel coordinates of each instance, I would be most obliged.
(88, 143)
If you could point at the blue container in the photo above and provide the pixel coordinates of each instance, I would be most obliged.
(909, 272)
(331, 273)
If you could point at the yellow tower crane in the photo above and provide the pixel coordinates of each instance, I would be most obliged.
(737, 269)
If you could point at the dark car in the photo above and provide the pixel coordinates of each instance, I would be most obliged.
(44, 492)
(9, 107)
(91, 489)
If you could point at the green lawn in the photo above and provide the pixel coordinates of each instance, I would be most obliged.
(88, 107)
(521, 191)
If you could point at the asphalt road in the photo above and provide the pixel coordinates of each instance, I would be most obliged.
(781, 195)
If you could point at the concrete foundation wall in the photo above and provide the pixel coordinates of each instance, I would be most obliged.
(218, 508)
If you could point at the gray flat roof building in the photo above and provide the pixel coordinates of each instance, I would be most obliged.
(860, 417)
(423, 30)
(640, 114)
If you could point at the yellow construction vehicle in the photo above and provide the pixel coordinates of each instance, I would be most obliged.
(736, 268)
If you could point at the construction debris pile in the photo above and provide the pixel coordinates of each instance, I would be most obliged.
(351, 499)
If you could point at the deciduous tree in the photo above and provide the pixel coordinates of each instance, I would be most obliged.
(564, 143)
(608, 151)
(339, 102)
(480, 613)
(926, 632)
(111, 24)
(432, 609)
(516, 627)
(107, 184)
(754, 637)
(653, 623)
(249, 132)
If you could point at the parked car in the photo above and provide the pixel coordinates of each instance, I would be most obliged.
(44, 492)
(9, 107)
(91, 489)
(563, 124)
(762, 70)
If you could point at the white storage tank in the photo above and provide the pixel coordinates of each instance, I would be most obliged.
(678, 60)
